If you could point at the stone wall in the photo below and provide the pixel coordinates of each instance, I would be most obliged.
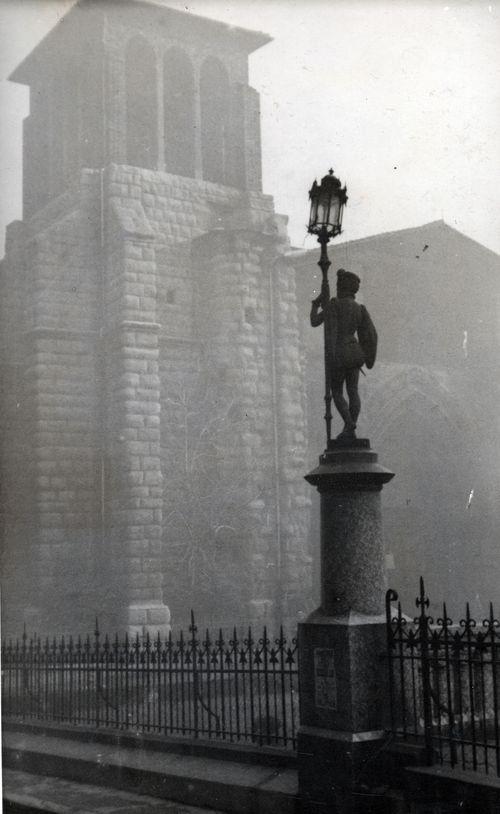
(227, 315)
(56, 327)
(16, 423)
(163, 407)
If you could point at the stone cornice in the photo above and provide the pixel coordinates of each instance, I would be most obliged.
(137, 325)
(349, 469)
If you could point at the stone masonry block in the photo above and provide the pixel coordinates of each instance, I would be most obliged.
(151, 502)
(146, 340)
(142, 407)
(145, 516)
(126, 392)
(148, 392)
(138, 491)
(142, 353)
(135, 478)
(135, 420)
(137, 615)
(155, 533)
(135, 565)
(132, 302)
(135, 365)
(158, 615)
(135, 631)
(138, 447)
(155, 548)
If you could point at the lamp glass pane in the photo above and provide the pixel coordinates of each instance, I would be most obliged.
(334, 213)
(313, 218)
(323, 206)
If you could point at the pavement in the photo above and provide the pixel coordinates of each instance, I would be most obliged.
(62, 775)
(32, 793)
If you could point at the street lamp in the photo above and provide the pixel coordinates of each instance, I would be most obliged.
(340, 672)
(325, 221)
(327, 206)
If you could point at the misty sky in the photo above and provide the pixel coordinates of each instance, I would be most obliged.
(401, 98)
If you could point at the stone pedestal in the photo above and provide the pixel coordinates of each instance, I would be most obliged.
(341, 672)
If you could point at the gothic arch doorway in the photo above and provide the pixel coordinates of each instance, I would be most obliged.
(422, 421)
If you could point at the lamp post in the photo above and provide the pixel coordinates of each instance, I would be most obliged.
(341, 674)
(325, 221)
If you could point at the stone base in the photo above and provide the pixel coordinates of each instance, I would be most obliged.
(342, 709)
(342, 673)
(152, 618)
(338, 770)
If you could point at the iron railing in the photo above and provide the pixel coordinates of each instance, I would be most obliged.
(444, 684)
(236, 689)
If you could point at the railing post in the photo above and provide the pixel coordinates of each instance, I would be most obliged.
(423, 625)
(24, 674)
(97, 674)
(446, 622)
(391, 596)
(234, 645)
(196, 689)
(70, 694)
(468, 623)
(492, 626)
(158, 679)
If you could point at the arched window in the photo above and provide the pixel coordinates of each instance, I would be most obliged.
(179, 125)
(141, 101)
(214, 95)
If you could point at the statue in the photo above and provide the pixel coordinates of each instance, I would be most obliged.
(345, 353)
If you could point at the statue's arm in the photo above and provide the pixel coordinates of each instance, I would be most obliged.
(316, 318)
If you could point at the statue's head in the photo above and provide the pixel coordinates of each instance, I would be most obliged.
(347, 283)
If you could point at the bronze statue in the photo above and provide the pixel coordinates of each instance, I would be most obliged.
(346, 353)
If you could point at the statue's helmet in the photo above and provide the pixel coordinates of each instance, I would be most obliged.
(347, 282)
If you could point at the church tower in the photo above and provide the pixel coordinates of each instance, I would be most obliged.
(153, 434)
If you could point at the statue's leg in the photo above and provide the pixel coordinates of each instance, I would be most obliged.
(352, 381)
(337, 384)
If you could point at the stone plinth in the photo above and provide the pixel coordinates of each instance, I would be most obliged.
(341, 672)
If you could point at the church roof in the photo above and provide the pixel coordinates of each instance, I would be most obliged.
(69, 30)
(429, 286)
(439, 228)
